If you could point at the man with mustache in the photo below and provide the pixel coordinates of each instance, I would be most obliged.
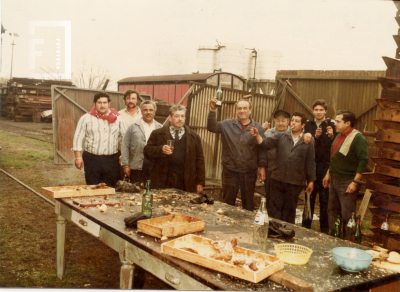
(294, 164)
(136, 166)
(242, 160)
(131, 113)
(349, 159)
(183, 166)
(100, 129)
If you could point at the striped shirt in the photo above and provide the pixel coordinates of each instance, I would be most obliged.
(101, 137)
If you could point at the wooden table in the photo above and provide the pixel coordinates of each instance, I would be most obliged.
(320, 272)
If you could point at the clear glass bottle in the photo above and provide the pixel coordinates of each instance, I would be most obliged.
(147, 201)
(358, 235)
(336, 229)
(352, 224)
(261, 225)
(219, 97)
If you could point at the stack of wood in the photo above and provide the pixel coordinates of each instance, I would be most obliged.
(385, 180)
(3, 99)
(28, 98)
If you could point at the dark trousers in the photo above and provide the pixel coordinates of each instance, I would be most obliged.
(323, 206)
(267, 183)
(341, 203)
(101, 169)
(141, 175)
(175, 181)
(283, 201)
(231, 183)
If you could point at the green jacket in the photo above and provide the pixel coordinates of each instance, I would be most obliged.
(356, 161)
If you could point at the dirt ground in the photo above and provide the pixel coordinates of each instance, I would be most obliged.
(28, 223)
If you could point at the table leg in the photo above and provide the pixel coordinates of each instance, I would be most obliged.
(126, 278)
(60, 245)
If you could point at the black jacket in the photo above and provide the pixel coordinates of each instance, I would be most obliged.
(323, 143)
(293, 164)
(194, 172)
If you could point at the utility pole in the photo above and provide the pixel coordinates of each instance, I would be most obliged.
(12, 53)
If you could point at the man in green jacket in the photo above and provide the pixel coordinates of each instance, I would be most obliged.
(349, 159)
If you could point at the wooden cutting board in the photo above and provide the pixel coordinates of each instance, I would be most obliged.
(387, 265)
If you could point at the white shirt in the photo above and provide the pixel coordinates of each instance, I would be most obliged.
(101, 137)
(148, 129)
(295, 140)
(128, 118)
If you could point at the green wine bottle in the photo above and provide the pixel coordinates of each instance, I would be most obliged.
(219, 97)
(336, 230)
(358, 236)
(147, 201)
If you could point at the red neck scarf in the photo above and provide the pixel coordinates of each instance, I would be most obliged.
(111, 117)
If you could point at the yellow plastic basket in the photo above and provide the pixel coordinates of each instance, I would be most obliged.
(293, 254)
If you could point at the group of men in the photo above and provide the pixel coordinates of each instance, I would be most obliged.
(143, 144)
(319, 156)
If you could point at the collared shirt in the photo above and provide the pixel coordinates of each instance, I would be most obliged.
(181, 131)
(340, 140)
(318, 124)
(128, 118)
(295, 140)
(148, 129)
(101, 137)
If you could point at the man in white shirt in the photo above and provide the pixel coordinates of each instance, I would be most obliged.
(100, 128)
(131, 113)
(135, 165)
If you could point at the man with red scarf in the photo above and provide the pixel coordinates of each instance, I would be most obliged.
(100, 128)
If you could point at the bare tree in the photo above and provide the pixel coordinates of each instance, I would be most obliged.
(49, 73)
(90, 75)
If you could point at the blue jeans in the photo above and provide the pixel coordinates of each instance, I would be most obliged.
(341, 203)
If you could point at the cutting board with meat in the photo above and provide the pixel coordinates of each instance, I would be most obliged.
(223, 256)
(77, 191)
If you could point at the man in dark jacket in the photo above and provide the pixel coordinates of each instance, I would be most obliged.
(241, 157)
(295, 163)
(181, 167)
(323, 132)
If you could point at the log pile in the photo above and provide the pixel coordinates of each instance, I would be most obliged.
(385, 180)
(28, 98)
(3, 99)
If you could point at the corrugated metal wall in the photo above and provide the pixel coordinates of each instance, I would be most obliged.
(66, 116)
(263, 106)
(352, 90)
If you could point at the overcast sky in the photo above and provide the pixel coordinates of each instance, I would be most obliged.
(154, 37)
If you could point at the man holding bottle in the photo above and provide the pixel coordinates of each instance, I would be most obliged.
(242, 160)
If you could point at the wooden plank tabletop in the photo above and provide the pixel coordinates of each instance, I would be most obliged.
(321, 272)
